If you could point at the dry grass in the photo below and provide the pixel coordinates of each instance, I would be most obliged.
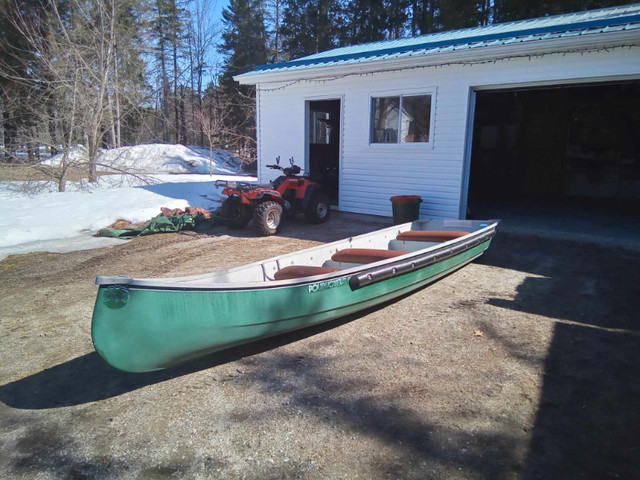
(26, 173)
(410, 390)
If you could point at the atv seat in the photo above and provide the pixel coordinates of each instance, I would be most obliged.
(300, 271)
(430, 236)
(269, 185)
(364, 255)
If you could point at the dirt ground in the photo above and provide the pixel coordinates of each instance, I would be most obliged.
(524, 364)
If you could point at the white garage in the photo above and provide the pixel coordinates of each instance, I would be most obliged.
(542, 109)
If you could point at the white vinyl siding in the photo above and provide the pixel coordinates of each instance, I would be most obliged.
(371, 173)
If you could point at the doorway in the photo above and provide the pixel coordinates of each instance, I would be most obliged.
(564, 143)
(323, 142)
(561, 158)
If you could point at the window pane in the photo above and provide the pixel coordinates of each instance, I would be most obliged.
(414, 125)
(384, 124)
(320, 127)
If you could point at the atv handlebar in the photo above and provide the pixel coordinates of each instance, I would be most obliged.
(291, 171)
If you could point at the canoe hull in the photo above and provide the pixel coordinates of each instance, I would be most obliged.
(140, 329)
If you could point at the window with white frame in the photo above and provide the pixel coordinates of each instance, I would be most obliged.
(401, 119)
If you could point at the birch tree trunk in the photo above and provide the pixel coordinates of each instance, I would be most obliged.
(118, 120)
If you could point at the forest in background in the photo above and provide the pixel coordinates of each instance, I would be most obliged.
(111, 73)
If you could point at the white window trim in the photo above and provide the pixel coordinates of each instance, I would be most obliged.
(408, 92)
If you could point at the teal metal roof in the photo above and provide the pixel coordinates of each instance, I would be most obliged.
(572, 24)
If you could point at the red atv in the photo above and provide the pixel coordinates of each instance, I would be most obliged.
(288, 194)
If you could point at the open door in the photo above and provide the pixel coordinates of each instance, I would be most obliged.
(324, 145)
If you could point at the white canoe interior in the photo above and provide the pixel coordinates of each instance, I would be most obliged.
(334, 259)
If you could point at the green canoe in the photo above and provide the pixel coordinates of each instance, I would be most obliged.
(141, 325)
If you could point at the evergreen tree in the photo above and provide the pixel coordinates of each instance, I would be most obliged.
(244, 41)
(274, 12)
(168, 28)
(17, 73)
(368, 20)
(508, 10)
(309, 26)
(422, 17)
(128, 87)
(456, 14)
(397, 16)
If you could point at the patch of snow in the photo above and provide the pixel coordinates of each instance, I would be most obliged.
(59, 245)
(61, 222)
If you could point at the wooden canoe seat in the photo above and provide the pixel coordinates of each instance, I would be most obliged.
(364, 255)
(299, 271)
(429, 236)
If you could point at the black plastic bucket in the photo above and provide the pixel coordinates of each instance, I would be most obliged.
(406, 208)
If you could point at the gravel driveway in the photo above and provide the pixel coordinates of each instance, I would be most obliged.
(524, 364)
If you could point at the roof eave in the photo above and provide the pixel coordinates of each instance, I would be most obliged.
(486, 53)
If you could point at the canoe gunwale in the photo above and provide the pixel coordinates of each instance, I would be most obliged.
(359, 276)
(416, 262)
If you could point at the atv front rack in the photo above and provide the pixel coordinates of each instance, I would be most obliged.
(242, 186)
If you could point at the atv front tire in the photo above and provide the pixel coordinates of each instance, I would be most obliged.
(234, 214)
(318, 209)
(268, 218)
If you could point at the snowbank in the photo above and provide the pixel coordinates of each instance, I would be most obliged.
(157, 158)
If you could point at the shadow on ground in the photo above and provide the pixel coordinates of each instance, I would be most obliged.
(421, 447)
(588, 420)
(587, 423)
(89, 378)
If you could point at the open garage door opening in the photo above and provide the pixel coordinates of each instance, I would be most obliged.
(571, 151)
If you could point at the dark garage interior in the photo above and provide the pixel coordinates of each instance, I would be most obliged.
(558, 158)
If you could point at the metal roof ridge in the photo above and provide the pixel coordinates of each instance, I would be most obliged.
(569, 26)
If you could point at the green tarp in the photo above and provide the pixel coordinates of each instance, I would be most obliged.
(162, 224)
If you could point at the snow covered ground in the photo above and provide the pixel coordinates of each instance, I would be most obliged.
(62, 222)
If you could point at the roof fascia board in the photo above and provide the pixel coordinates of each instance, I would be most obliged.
(487, 53)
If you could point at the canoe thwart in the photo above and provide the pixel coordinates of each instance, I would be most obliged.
(430, 236)
(299, 271)
(364, 255)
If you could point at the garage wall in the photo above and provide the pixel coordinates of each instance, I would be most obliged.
(370, 174)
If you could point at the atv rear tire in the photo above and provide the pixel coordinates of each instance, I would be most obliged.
(318, 209)
(234, 214)
(268, 218)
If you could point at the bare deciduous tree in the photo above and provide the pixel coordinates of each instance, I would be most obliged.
(74, 84)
